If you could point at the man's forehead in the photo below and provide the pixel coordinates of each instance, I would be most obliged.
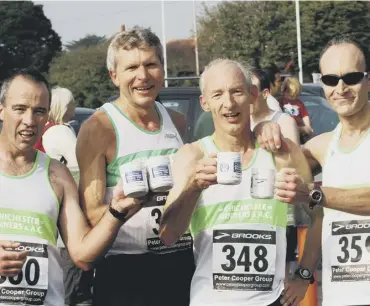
(346, 57)
(134, 52)
(223, 73)
(22, 89)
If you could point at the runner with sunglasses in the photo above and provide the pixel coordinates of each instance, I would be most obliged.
(343, 155)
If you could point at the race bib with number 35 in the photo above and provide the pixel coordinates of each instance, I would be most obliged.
(350, 246)
(243, 259)
(30, 286)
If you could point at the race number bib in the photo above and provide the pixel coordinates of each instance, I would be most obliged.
(30, 286)
(154, 244)
(350, 251)
(243, 259)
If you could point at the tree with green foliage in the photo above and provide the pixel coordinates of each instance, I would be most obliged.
(87, 41)
(27, 39)
(263, 32)
(84, 72)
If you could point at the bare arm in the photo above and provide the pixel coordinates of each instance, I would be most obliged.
(92, 143)
(297, 178)
(296, 160)
(289, 128)
(315, 151)
(307, 121)
(192, 173)
(354, 201)
(84, 244)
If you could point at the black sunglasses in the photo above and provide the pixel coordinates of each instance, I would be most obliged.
(351, 78)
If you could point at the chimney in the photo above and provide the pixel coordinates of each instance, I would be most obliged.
(123, 28)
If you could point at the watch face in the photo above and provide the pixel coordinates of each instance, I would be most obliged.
(306, 273)
(316, 196)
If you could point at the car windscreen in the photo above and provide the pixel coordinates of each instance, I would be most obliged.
(323, 118)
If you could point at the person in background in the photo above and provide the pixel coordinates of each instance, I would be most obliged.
(290, 104)
(59, 139)
(273, 73)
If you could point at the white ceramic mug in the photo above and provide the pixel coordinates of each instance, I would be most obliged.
(160, 173)
(263, 183)
(135, 183)
(229, 168)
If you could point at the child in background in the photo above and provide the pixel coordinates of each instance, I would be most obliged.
(290, 104)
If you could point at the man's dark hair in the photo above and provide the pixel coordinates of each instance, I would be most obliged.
(263, 78)
(347, 39)
(271, 70)
(29, 74)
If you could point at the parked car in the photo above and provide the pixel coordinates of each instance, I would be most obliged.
(82, 113)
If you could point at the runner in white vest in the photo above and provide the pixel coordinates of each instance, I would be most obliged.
(133, 127)
(239, 242)
(38, 196)
(343, 155)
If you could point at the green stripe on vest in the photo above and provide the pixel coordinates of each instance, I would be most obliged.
(113, 174)
(28, 223)
(262, 211)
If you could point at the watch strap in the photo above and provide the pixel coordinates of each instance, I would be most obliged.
(118, 215)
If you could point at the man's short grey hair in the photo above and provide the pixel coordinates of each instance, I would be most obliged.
(134, 38)
(245, 69)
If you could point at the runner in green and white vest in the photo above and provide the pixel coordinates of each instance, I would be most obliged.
(239, 241)
(38, 196)
(134, 127)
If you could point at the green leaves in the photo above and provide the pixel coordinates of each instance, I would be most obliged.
(84, 72)
(263, 32)
(27, 39)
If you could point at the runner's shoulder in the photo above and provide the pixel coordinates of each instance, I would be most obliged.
(319, 143)
(190, 151)
(59, 175)
(96, 131)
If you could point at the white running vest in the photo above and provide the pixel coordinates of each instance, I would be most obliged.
(140, 234)
(346, 237)
(29, 211)
(239, 242)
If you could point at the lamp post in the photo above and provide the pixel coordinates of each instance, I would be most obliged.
(298, 26)
(164, 45)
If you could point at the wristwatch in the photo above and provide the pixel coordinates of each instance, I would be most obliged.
(315, 196)
(305, 274)
(118, 215)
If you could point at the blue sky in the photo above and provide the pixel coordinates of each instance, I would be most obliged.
(73, 20)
